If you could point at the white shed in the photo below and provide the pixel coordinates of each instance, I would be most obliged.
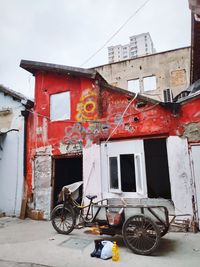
(13, 110)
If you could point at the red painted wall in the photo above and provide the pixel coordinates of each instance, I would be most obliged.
(190, 111)
(95, 113)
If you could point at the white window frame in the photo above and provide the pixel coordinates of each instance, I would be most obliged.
(138, 174)
(115, 149)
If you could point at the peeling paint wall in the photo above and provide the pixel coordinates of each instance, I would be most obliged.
(42, 184)
(190, 120)
(192, 132)
(171, 68)
(180, 175)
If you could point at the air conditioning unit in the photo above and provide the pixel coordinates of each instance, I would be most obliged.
(167, 95)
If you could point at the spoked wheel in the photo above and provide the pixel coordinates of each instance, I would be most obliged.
(63, 219)
(141, 234)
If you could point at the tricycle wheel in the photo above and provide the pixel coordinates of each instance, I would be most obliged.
(163, 229)
(141, 234)
(63, 219)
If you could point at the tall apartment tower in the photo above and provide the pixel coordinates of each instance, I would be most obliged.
(140, 45)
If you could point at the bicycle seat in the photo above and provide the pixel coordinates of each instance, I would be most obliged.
(91, 197)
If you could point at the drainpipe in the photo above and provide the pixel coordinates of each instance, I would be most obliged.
(25, 115)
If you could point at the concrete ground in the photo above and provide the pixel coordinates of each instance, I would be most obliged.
(28, 243)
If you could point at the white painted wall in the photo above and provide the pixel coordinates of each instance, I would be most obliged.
(95, 174)
(92, 171)
(11, 158)
(196, 168)
(180, 175)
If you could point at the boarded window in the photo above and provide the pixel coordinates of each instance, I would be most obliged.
(149, 83)
(134, 85)
(60, 106)
(178, 78)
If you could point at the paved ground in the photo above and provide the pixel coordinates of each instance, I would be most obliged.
(28, 243)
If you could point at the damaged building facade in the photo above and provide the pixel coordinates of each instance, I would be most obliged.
(161, 76)
(12, 150)
(122, 145)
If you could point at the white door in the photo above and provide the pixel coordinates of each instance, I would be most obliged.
(196, 167)
(123, 169)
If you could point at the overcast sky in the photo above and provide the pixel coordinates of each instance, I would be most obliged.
(68, 32)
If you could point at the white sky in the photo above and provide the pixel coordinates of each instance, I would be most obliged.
(68, 32)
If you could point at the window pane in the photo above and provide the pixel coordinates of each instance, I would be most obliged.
(149, 83)
(127, 165)
(60, 106)
(134, 86)
(113, 173)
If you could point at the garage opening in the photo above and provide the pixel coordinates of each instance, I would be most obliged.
(157, 170)
(66, 171)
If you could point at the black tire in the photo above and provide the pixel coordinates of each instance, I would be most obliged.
(141, 234)
(63, 219)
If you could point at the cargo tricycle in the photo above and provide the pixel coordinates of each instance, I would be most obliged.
(141, 232)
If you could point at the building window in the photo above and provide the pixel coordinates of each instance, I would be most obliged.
(134, 85)
(123, 173)
(123, 169)
(149, 83)
(60, 107)
(114, 184)
(127, 168)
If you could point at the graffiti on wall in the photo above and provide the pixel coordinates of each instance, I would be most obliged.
(87, 106)
(90, 132)
(88, 129)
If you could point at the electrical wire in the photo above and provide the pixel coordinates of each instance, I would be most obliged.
(113, 131)
(96, 121)
(114, 34)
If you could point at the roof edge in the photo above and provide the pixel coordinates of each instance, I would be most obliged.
(18, 96)
(35, 66)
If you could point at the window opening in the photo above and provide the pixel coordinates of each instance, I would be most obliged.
(127, 166)
(134, 85)
(149, 83)
(114, 183)
(60, 106)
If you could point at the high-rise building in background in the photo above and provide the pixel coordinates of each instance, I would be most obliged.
(140, 45)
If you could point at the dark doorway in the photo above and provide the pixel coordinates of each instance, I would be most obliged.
(157, 171)
(66, 171)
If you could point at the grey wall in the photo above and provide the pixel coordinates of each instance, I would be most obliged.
(171, 68)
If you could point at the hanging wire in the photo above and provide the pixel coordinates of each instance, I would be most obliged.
(115, 33)
(113, 131)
